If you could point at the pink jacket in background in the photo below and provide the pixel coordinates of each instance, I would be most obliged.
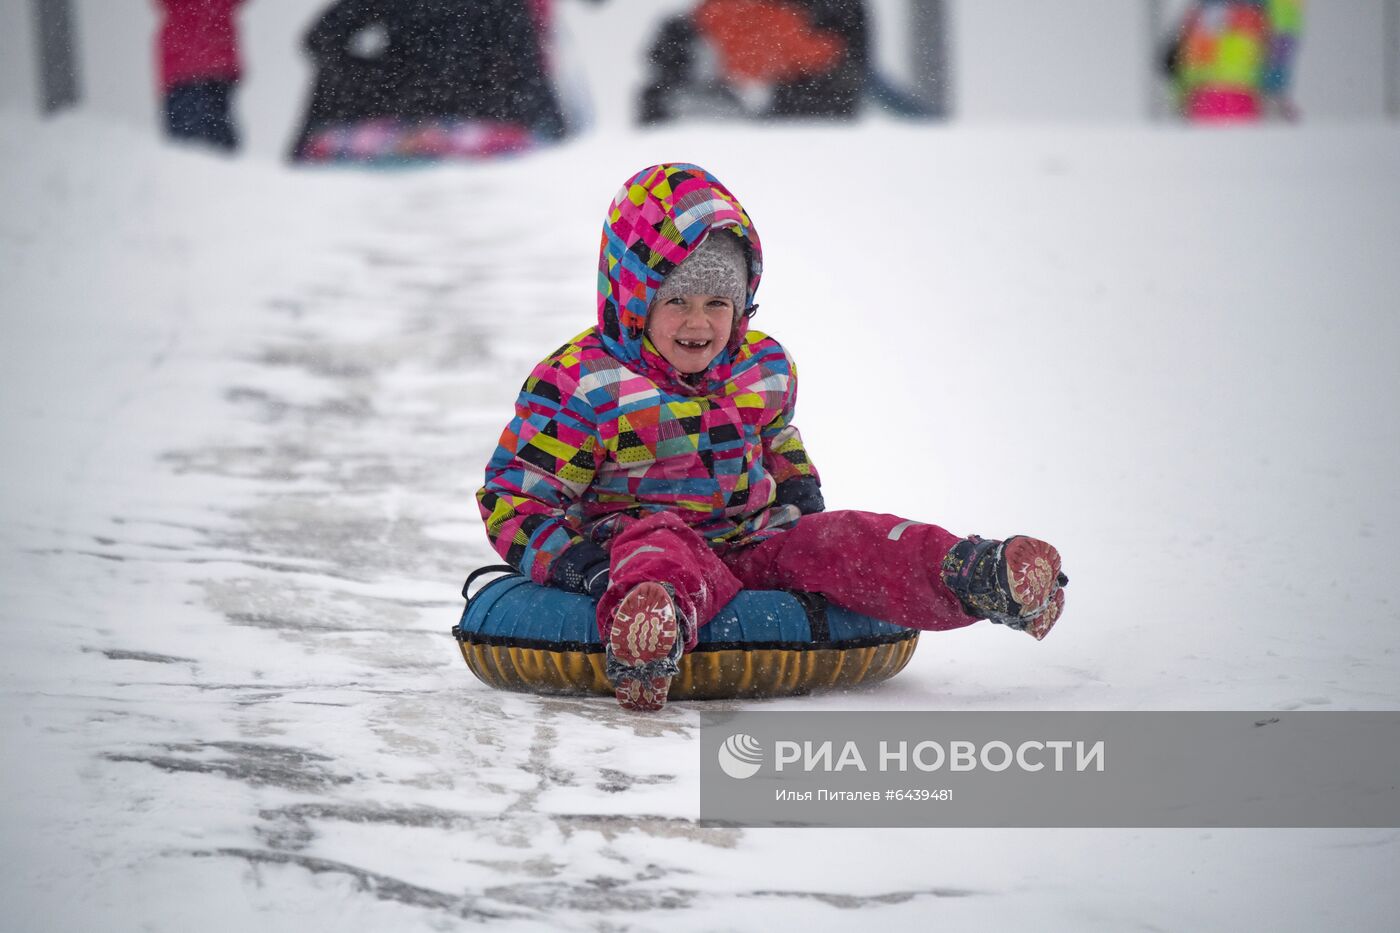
(198, 41)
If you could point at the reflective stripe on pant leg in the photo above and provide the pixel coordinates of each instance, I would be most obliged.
(644, 549)
(898, 530)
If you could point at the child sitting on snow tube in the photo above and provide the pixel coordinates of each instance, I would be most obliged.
(652, 462)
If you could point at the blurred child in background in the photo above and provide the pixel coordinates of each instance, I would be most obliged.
(1232, 60)
(199, 67)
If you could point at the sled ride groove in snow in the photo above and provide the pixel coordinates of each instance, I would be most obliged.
(518, 635)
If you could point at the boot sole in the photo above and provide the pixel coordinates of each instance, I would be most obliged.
(644, 629)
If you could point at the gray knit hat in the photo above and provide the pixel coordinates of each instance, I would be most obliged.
(718, 266)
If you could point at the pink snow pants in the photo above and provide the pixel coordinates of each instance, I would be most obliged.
(878, 565)
(1222, 105)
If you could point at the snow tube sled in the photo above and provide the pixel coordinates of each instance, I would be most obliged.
(517, 635)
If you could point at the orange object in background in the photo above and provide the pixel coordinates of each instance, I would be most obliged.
(767, 40)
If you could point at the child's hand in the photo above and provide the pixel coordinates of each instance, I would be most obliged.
(595, 581)
(1017, 583)
(583, 568)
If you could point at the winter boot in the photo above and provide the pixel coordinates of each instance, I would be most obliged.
(1016, 582)
(644, 648)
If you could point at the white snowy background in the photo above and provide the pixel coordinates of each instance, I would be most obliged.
(245, 408)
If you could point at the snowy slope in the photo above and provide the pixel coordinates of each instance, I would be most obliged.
(245, 409)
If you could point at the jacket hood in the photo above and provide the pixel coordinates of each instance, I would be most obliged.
(657, 219)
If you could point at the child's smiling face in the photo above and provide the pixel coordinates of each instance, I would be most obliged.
(689, 331)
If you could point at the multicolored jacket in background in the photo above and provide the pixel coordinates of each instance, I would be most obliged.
(606, 431)
(1230, 54)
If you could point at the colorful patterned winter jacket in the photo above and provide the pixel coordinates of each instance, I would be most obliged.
(606, 431)
(1240, 46)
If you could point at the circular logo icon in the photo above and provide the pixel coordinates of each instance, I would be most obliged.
(740, 756)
